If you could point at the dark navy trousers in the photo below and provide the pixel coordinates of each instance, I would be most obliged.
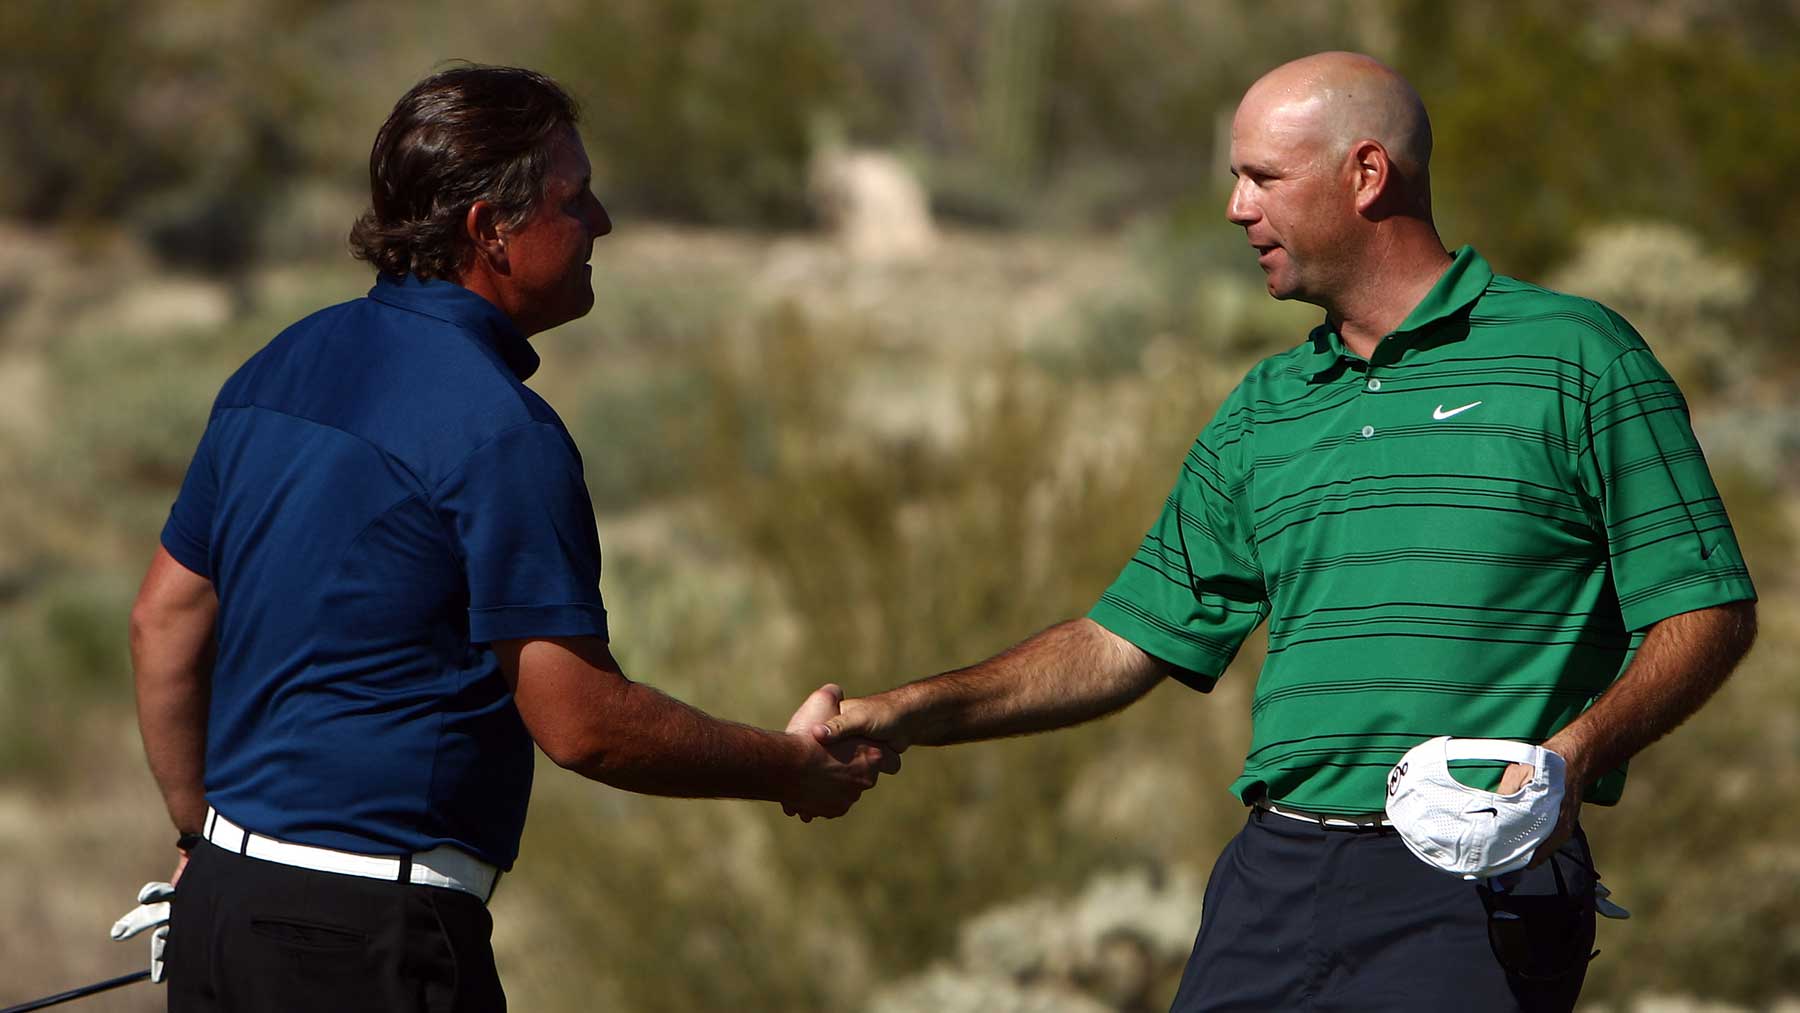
(1299, 917)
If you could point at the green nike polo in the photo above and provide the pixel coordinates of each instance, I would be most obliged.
(1465, 534)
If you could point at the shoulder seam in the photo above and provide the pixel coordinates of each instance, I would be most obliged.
(1587, 395)
(418, 482)
(483, 445)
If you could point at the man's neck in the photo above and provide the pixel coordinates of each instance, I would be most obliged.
(1399, 272)
(482, 281)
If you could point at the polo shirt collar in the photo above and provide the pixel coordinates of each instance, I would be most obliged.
(455, 305)
(1467, 277)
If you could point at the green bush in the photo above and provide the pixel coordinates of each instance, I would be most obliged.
(1545, 126)
(64, 667)
(701, 109)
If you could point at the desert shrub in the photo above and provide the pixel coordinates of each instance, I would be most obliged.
(643, 435)
(68, 72)
(64, 666)
(1607, 119)
(701, 109)
(124, 111)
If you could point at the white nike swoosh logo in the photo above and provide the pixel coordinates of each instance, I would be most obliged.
(1440, 414)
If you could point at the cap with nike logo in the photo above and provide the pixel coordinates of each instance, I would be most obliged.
(1467, 831)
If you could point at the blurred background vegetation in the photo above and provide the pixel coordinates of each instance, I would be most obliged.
(912, 310)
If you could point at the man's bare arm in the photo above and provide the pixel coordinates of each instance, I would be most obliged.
(588, 717)
(1072, 672)
(171, 660)
(1683, 660)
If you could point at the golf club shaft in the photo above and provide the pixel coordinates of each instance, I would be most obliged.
(76, 993)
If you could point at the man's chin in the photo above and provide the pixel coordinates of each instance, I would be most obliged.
(581, 301)
(1282, 285)
(575, 310)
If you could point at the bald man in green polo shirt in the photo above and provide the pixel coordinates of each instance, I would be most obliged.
(1466, 506)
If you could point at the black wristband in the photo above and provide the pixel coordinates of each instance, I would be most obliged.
(187, 842)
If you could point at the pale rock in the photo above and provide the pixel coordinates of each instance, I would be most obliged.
(872, 203)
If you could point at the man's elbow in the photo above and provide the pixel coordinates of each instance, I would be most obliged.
(577, 749)
(173, 614)
(572, 753)
(616, 760)
(148, 619)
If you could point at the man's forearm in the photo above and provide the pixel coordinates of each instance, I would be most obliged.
(588, 717)
(172, 719)
(1070, 673)
(172, 652)
(655, 744)
(1683, 660)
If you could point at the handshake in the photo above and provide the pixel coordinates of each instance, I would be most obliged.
(845, 752)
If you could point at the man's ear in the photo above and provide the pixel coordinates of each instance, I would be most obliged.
(1374, 176)
(482, 228)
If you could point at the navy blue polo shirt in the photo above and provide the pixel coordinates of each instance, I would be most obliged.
(376, 497)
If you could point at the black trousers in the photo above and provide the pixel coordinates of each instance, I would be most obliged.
(245, 934)
(1298, 917)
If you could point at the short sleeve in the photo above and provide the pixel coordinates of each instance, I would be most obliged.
(187, 535)
(1194, 590)
(1671, 544)
(522, 520)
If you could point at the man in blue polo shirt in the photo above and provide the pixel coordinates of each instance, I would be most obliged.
(379, 586)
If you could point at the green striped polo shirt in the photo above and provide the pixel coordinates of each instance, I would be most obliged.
(1465, 534)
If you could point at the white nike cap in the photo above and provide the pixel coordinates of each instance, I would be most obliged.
(1464, 830)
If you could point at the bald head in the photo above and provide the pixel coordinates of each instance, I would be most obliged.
(1332, 155)
(1336, 99)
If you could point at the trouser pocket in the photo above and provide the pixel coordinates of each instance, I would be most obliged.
(309, 935)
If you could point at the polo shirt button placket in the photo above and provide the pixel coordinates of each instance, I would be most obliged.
(1372, 385)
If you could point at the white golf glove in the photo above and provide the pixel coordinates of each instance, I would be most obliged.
(152, 912)
(1608, 908)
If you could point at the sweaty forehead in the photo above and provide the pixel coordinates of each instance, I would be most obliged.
(568, 160)
(573, 150)
(1278, 127)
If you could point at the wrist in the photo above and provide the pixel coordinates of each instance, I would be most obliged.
(1574, 757)
(795, 758)
(188, 841)
(899, 716)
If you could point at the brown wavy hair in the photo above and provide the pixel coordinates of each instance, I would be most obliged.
(465, 134)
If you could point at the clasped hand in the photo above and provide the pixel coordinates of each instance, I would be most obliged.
(837, 772)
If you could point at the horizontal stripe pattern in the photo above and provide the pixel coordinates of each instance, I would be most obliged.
(1469, 545)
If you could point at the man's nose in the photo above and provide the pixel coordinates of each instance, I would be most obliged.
(599, 223)
(1239, 209)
